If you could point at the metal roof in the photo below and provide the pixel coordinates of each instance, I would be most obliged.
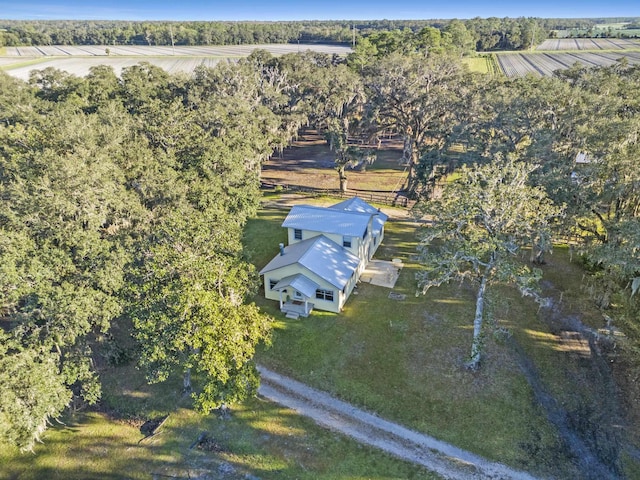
(356, 204)
(320, 255)
(304, 285)
(327, 220)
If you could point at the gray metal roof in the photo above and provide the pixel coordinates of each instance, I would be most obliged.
(304, 285)
(327, 220)
(356, 204)
(322, 256)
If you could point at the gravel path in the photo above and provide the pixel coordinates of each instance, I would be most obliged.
(442, 458)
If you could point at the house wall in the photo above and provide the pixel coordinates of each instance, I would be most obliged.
(305, 234)
(356, 242)
(375, 244)
(348, 289)
(339, 298)
(278, 275)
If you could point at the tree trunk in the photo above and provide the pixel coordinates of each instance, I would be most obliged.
(414, 159)
(343, 180)
(537, 255)
(186, 381)
(476, 346)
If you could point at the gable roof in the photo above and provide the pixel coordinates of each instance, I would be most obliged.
(327, 220)
(322, 256)
(304, 285)
(356, 204)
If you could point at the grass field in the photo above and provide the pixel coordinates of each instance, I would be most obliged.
(310, 163)
(477, 64)
(403, 359)
(256, 440)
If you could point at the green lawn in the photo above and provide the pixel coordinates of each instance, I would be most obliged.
(477, 64)
(259, 438)
(403, 359)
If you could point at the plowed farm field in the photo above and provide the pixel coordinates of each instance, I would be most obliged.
(558, 54)
(77, 60)
(544, 64)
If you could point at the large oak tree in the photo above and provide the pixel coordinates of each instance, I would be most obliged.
(477, 229)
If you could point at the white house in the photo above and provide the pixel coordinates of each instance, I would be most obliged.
(328, 249)
(356, 204)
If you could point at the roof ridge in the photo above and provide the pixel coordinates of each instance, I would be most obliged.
(331, 209)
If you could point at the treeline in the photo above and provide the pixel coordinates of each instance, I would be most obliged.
(581, 23)
(484, 34)
(629, 31)
(591, 27)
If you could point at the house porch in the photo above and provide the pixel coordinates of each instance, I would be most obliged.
(295, 308)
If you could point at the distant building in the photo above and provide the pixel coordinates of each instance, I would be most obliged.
(582, 158)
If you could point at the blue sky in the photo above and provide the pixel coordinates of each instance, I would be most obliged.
(310, 9)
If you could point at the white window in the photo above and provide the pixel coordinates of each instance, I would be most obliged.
(322, 294)
(297, 234)
(346, 242)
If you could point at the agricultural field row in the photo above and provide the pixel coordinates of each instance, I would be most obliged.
(588, 44)
(80, 66)
(520, 64)
(77, 60)
(159, 51)
(7, 61)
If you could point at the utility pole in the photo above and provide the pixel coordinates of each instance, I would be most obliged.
(353, 41)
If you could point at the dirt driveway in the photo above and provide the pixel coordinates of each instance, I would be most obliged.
(445, 459)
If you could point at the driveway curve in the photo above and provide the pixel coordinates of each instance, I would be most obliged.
(445, 459)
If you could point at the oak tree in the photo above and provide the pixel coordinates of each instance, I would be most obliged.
(477, 230)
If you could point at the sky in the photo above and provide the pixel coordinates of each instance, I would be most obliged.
(270, 10)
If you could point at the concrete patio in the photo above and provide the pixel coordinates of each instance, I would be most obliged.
(382, 273)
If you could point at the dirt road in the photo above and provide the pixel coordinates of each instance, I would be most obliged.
(442, 458)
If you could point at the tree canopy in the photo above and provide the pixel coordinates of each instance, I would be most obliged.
(477, 229)
(123, 203)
